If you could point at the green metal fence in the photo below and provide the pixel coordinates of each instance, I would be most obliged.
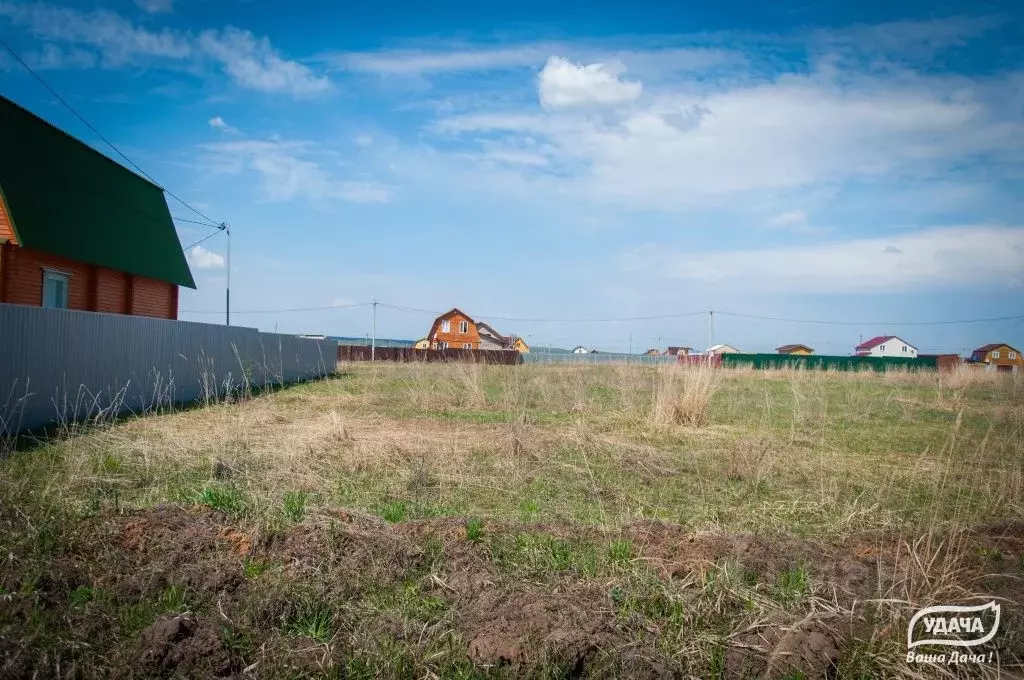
(815, 361)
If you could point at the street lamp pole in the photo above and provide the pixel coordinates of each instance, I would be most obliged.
(227, 290)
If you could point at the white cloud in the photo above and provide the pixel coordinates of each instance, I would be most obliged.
(944, 257)
(564, 84)
(417, 62)
(255, 64)
(364, 140)
(155, 6)
(201, 258)
(218, 124)
(53, 57)
(116, 42)
(706, 142)
(290, 170)
(794, 221)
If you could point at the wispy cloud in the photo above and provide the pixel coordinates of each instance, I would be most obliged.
(255, 64)
(201, 258)
(290, 169)
(409, 62)
(155, 6)
(116, 42)
(217, 123)
(934, 258)
(794, 221)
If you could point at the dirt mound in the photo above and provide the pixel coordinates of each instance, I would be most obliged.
(810, 646)
(185, 646)
(525, 626)
(674, 551)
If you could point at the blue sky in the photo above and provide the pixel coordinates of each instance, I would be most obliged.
(824, 161)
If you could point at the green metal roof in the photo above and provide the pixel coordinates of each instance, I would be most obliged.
(67, 199)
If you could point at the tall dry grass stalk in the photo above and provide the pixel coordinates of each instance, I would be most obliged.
(682, 394)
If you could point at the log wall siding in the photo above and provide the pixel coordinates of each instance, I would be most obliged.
(6, 231)
(90, 288)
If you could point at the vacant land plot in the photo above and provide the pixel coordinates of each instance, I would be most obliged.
(468, 521)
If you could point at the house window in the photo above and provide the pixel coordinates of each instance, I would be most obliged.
(881, 347)
(466, 345)
(442, 345)
(995, 354)
(463, 326)
(446, 326)
(1012, 355)
(904, 348)
(55, 290)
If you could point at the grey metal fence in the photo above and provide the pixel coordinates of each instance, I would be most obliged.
(598, 358)
(65, 366)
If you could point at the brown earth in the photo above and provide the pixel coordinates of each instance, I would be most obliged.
(502, 621)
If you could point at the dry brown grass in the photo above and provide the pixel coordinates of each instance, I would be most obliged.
(766, 484)
(682, 394)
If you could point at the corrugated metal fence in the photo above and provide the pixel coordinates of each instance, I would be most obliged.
(408, 354)
(60, 365)
(595, 358)
(820, 361)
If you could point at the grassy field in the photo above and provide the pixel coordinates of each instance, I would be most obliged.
(544, 521)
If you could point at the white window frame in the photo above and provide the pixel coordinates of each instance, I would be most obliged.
(60, 276)
(1011, 355)
(463, 326)
(446, 326)
(442, 345)
(467, 345)
(995, 354)
(881, 348)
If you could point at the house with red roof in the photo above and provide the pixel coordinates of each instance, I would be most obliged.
(886, 346)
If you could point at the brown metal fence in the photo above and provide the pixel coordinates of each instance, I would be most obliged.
(408, 354)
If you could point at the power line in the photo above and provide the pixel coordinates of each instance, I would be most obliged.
(205, 238)
(872, 323)
(519, 318)
(182, 219)
(99, 134)
(277, 311)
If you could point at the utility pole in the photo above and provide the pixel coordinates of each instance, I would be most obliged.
(711, 328)
(227, 290)
(630, 343)
(373, 343)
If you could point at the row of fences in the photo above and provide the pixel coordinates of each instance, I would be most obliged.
(821, 362)
(596, 358)
(61, 366)
(409, 355)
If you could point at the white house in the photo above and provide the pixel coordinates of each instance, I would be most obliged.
(722, 349)
(886, 346)
(580, 349)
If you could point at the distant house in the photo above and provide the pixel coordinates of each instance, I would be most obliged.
(998, 356)
(492, 339)
(678, 351)
(715, 350)
(795, 349)
(580, 349)
(886, 346)
(457, 330)
(80, 231)
(422, 343)
(652, 353)
(454, 330)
